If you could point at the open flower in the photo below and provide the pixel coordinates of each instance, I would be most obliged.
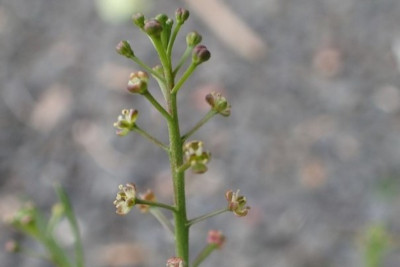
(196, 157)
(219, 103)
(126, 121)
(237, 203)
(138, 82)
(126, 199)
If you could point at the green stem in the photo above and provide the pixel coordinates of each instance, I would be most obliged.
(206, 216)
(165, 61)
(157, 105)
(176, 160)
(172, 39)
(150, 137)
(184, 77)
(62, 195)
(147, 68)
(183, 59)
(163, 220)
(184, 167)
(208, 116)
(207, 250)
(154, 204)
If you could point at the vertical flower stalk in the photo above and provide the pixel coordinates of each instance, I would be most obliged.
(182, 154)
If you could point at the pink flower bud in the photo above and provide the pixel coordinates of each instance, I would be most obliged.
(216, 237)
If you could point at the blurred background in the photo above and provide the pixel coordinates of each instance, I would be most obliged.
(313, 140)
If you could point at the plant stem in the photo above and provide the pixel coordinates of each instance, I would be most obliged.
(147, 68)
(69, 213)
(205, 216)
(157, 105)
(163, 220)
(208, 116)
(184, 77)
(172, 39)
(155, 204)
(183, 59)
(150, 137)
(184, 167)
(204, 254)
(165, 61)
(176, 160)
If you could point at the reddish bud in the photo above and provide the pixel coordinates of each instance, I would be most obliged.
(200, 54)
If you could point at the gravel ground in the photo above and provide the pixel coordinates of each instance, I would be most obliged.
(313, 140)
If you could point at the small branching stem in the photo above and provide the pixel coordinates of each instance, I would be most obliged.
(147, 68)
(162, 219)
(157, 105)
(207, 250)
(172, 40)
(150, 137)
(182, 59)
(184, 167)
(184, 77)
(155, 204)
(208, 116)
(205, 216)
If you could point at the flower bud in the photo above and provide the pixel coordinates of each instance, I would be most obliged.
(162, 18)
(126, 121)
(138, 20)
(181, 15)
(148, 196)
(125, 199)
(138, 82)
(237, 203)
(216, 237)
(153, 27)
(200, 54)
(124, 48)
(219, 103)
(175, 262)
(196, 156)
(193, 39)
